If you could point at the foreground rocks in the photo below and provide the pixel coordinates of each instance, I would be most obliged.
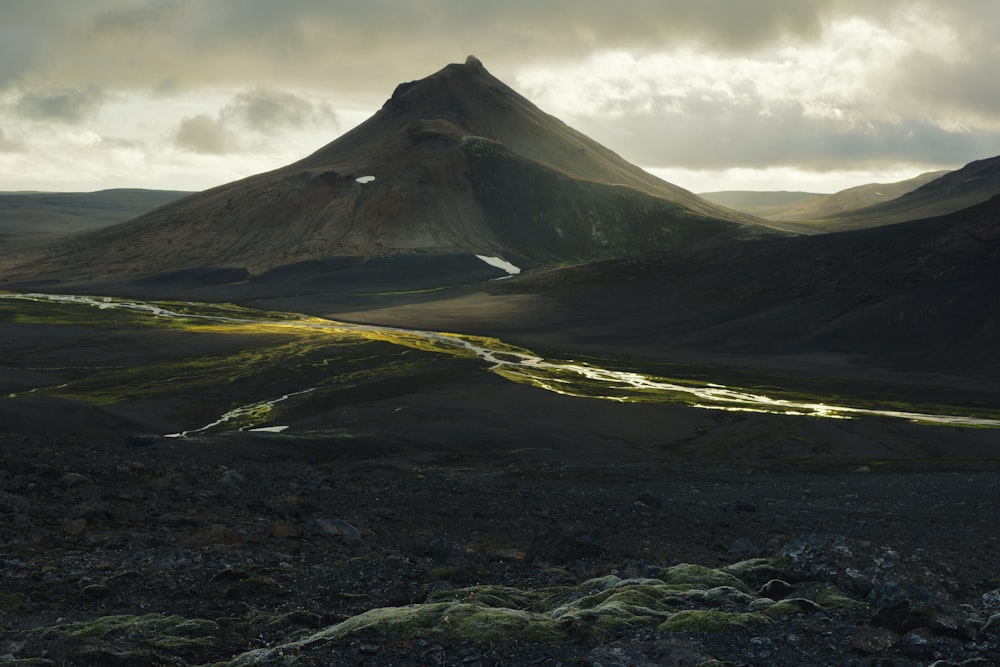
(197, 552)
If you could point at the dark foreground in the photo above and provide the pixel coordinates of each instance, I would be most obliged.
(277, 550)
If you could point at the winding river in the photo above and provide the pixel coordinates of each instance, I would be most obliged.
(513, 363)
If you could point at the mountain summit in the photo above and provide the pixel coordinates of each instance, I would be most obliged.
(457, 162)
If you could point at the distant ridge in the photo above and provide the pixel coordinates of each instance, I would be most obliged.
(64, 212)
(457, 162)
(957, 190)
(804, 207)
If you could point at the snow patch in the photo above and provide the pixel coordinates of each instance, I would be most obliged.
(501, 264)
(364, 179)
(268, 429)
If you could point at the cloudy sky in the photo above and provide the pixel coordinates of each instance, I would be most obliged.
(813, 95)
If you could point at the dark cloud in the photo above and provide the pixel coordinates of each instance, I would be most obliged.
(712, 138)
(268, 110)
(156, 16)
(352, 43)
(63, 104)
(203, 133)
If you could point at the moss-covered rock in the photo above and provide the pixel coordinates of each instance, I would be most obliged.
(699, 576)
(757, 571)
(699, 620)
(451, 619)
(791, 607)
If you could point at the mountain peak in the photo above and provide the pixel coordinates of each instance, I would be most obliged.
(473, 61)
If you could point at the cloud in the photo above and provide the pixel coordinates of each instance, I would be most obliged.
(268, 110)
(9, 145)
(717, 83)
(202, 133)
(312, 42)
(61, 104)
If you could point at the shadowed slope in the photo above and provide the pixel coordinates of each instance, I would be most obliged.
(919, 295)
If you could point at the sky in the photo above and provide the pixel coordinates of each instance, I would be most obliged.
(813, 95)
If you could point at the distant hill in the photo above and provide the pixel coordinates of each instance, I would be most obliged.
(457, 162)
(64, 212)
(759, 202)
(803, 207)
(973, 184)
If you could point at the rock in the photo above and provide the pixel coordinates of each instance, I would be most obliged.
(75, 528)
(233, 480)
(992, 626)
(71, 479)
(726, 595)
(95, 591)
(743, 549)
(873, 640)
(562, 544)
(284, 531)
(214, 535)
(444, 550)
(914, 645)
(649, 500)
(991, 600)
(776, 589)
(253, 586)
(333, 527)
(142, 440)
(902, 607)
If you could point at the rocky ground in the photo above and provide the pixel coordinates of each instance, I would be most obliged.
(238, 551)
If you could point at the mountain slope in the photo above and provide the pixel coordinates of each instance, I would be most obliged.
(64, 212)
(457, 162)
(973, 184)
(815, 208)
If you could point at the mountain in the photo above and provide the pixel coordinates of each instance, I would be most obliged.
(65, 212)
(973, 184)
(457, 162)
(815, 210)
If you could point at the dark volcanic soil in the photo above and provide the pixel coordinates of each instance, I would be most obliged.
(174, 552)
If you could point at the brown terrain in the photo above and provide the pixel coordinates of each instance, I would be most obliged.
(423, 510)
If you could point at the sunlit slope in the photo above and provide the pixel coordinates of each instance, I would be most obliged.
(973, 184)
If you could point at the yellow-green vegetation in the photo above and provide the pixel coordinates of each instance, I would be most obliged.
(275, 356)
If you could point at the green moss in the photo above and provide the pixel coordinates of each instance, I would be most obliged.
(831, 598)
(782, 608)
(758, 571)
(694, 620)
(456, 620)
(699, 576)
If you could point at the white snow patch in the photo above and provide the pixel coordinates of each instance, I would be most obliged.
(501, 264)
(365, 179)
(268, 429)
